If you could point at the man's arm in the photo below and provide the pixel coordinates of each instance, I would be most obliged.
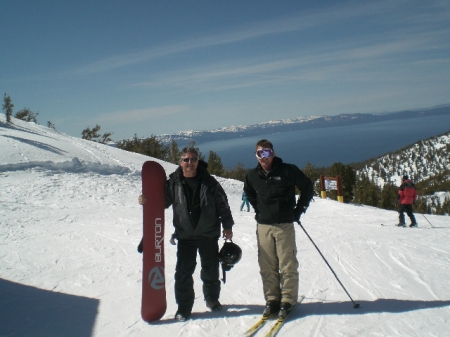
(223, 208)
(306, 188)
(168, 197)
(250, 192)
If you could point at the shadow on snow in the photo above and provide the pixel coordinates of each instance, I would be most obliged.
(30, 311)
(320, 309)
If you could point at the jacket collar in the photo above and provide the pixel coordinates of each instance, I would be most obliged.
(276, 162)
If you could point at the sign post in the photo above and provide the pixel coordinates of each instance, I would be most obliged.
(331, 183)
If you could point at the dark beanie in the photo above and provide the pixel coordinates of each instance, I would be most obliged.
(405, 178)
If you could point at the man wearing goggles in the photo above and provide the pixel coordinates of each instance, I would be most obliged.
(264, 153)
(270, 188)
(200, 206)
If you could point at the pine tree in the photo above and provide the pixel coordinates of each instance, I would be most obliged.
(311, 172)
(93, 135)
(154, 148)
(89, 134)
(238, 173)
(215, 165)
(174, 154)
(388, 196)
(51, 125)
(367, 193)
(27, 115)
(147, 146)
(8, 107)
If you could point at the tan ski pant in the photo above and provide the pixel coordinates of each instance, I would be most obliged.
(277, 257)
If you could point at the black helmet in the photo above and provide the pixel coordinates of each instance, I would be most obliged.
(229, 255)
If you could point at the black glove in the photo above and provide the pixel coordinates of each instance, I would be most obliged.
(298, 212)
(140, 247)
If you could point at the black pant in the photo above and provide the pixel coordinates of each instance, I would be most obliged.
(208, 250)
(409, 211)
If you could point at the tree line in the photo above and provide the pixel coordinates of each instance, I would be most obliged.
(353, 190)
(356, 188)
(153, 147)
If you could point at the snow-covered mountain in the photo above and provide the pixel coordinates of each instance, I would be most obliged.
(296, 124)
(422, 160)
(70, 223)
(233, 131)
(426, 162)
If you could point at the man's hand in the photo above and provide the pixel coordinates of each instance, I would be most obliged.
(142, 199)
(298, 212)
(227, 234)
(140, 247)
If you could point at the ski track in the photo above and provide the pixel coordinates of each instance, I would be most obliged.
(318, 326)
(401, 261)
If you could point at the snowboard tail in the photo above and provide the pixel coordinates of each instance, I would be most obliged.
(153, 278)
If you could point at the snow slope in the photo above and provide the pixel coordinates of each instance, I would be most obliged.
(70, 224)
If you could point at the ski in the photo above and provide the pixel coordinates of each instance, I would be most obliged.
(263, 320)
(404, 226)
(257, 326)
(280, 321)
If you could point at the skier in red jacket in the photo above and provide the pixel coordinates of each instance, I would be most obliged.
(407, 194)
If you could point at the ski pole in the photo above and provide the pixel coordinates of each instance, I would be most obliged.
(428, 220)
(337, 278)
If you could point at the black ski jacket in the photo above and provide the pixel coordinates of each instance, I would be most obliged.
(212, 202)
(273, 195)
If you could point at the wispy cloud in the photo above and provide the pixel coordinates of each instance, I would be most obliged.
(351, 59)
(296, 22)
(139, 115)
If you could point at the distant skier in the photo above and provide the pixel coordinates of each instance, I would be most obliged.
(245, 202)
(407, 194)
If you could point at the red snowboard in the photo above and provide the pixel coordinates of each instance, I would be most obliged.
(153, 280)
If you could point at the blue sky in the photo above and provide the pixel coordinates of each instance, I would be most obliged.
(155, 67)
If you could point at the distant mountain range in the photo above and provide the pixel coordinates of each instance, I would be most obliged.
(183, 138)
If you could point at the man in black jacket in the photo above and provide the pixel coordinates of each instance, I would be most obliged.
(200, 206)
(270, 188)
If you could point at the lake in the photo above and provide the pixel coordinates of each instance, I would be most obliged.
(323, 147)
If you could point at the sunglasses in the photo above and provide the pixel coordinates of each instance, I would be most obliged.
(187, 160)
(264, 153)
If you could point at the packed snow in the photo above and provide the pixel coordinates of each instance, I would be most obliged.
(70, 224)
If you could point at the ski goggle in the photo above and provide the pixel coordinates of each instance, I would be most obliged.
(192, 160)
(264, 153)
